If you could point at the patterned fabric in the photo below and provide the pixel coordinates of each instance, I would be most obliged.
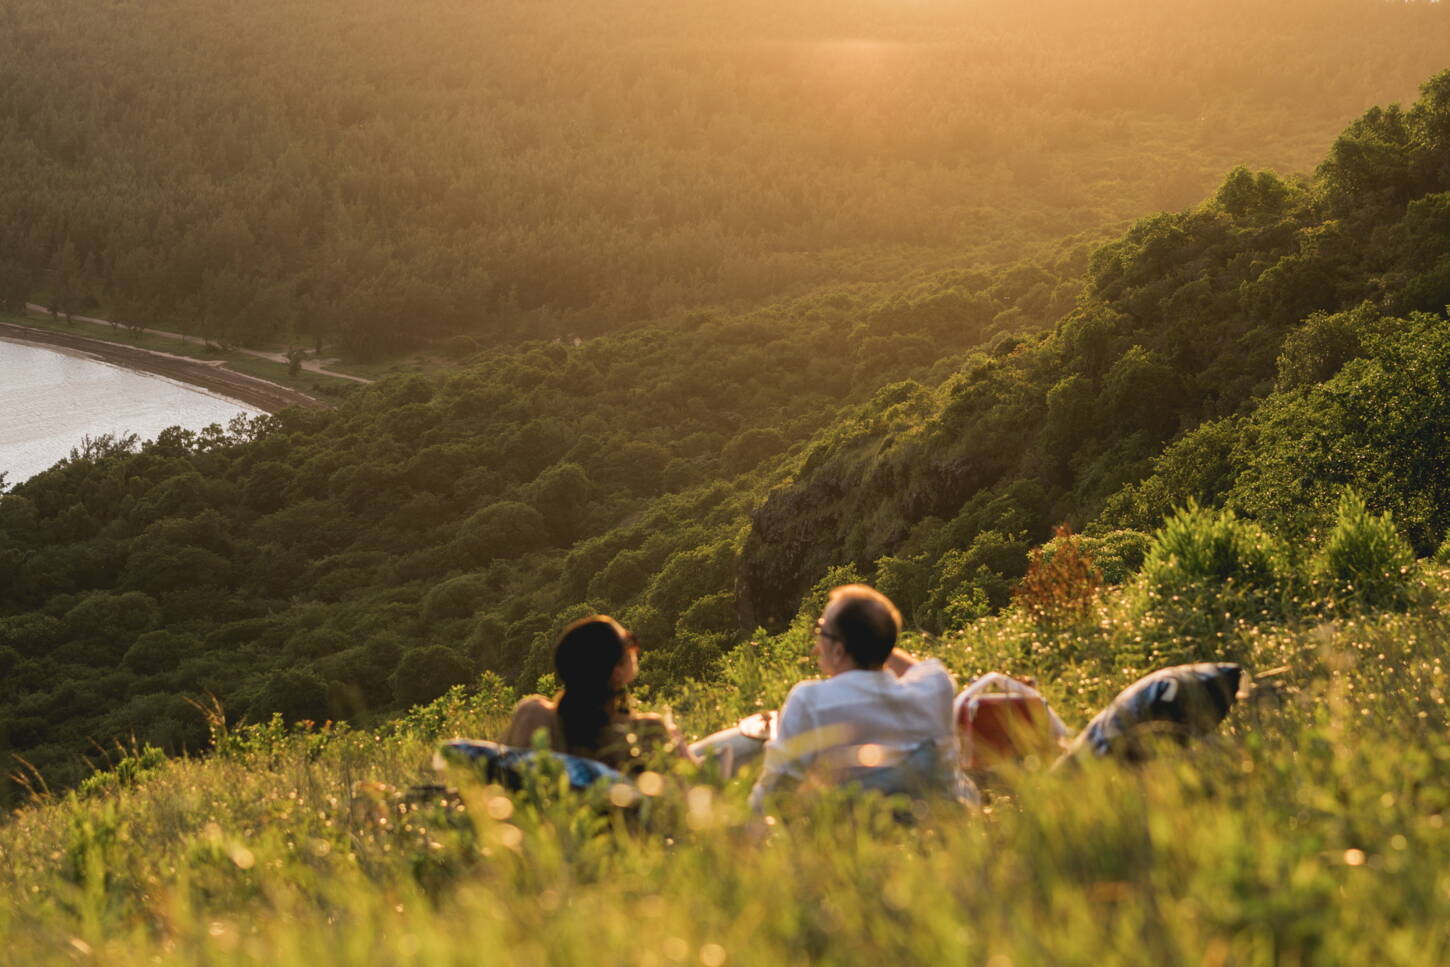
(1181, 702)
(508, 765)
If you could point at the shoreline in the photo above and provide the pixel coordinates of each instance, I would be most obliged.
(252, 391)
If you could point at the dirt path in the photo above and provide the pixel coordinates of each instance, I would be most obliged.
(211, 376)
(309, 365)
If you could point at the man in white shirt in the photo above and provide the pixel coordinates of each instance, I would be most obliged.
(880, 717)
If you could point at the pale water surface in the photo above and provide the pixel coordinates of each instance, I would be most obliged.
(49, 400)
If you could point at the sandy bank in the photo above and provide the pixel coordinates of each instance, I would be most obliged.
(212, 377)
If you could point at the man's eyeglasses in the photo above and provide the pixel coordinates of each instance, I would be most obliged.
(819, 629)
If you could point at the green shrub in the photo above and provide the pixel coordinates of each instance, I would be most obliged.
(296, 694)
(907, 581)
(425, 673)
(455, 598)
(1118, 554)
(714, 613)
(507, 529)
(1442, 556)
(159, 651)
(1364, 561)
(127, 772)
(1207, 571)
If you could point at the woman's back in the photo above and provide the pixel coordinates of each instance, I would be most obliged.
(627, 740)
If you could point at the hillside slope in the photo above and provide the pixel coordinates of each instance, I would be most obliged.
(1282, 340)
(1259, 350)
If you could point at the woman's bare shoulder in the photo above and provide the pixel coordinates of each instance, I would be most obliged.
(535, 703)
(532, 713)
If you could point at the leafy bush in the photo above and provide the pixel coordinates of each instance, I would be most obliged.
(1321, 346)
(1364, 561)
(506, 529)
(157, 651)
(424, 673)
(907, 581)
(1207, 571)
(294, 694)
(1061, 580)
(129, 771)
(455, 598)
(1117, 554)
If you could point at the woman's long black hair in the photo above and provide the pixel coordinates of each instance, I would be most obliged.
(585, 659)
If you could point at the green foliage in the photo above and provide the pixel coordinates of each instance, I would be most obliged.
(480, 707)
(1117, 554)
(1379, 426)
(1200, 545)
(907, 582)
(455, 598)
(423, 673)
(1245, 194)
(689, 576)
(114, 618)
(1327, 796)
(127, 772)
(1208, 572)
(561, 494)
(292, 695)
(701, 478)
(746, 451)
(503, 530)
(158, 651)
(1318, 349)
(1140, 389)
(1363, 561)
(382, 179)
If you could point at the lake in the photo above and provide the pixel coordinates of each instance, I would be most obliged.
(50, 399)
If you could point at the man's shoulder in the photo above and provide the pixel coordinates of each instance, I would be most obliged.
(803, 702)
(930, 673)
(808, 690)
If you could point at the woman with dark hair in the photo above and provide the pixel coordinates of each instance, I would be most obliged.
(595, 661)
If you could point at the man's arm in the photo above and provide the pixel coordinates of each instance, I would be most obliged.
(899, 662)
(781, 752)
(667, 735)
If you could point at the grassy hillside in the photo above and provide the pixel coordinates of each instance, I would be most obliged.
(1260, 352)
(1242, 406)
(1312, 829)
(373, 176)
(294, 565)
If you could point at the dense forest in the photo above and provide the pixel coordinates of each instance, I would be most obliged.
(376, 177)
(1257, 352)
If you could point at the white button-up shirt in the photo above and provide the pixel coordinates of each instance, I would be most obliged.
(860, 719)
